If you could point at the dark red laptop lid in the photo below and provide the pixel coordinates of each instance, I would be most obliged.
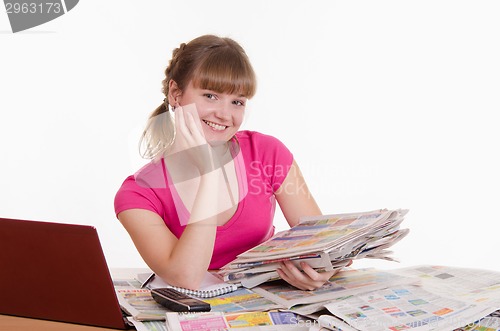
(56, 272)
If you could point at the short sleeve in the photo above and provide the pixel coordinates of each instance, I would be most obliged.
(142, 190)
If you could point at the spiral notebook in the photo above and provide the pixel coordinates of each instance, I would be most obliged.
(211, 286)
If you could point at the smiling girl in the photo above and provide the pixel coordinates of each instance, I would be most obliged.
(210, 191)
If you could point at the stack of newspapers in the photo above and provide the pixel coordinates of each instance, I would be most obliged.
(325, 242)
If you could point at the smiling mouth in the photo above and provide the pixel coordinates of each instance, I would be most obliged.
(215, 126)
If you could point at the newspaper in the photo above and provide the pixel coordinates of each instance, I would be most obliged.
(424, 297)
(475, 286)
(490, 322)
(241, 300)
(446, 298)
(487, 323)
(344, 284)
(406, 308)
(148, 325)
(324, 242)
(140, 304)
(242, 309)
(216, 321)
(137, 302)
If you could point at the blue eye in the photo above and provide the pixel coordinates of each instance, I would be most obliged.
(210, 96)
(238, 103)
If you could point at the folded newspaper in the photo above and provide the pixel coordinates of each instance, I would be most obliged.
(324, 242)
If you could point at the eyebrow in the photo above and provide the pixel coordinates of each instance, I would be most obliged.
(210, 90)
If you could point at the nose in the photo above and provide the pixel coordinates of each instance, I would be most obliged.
(223, 111)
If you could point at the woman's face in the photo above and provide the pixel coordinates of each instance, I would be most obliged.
(221, 114)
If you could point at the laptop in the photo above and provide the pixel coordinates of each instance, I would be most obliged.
(56, 272)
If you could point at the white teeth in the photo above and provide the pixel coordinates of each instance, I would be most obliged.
(217, 127)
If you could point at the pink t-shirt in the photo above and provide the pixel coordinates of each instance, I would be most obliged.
(262, 164)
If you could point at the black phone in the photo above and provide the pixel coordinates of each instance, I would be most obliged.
(177, 301)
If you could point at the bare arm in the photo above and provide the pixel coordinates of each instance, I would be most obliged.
(296, 200)
(182, 262)
(294, 197)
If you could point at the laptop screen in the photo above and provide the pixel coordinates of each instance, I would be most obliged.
(56, 272)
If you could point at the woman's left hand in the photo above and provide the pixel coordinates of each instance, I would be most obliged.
(307, 279)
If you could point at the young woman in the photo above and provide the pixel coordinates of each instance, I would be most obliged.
(209, 193)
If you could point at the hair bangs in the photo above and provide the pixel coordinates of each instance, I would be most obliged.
(226, 71)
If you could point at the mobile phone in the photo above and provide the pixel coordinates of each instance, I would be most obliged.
(177, 301)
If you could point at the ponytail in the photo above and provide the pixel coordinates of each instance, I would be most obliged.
(159, 133)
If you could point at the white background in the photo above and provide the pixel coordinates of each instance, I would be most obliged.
(385, 104)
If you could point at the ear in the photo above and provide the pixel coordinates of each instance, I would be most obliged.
(174, 93)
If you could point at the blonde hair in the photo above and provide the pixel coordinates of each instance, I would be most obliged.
(210, 62)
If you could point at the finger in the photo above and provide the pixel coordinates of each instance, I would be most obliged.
(180, 123)
(194, 129)
(191, 109)
(179, 119)
(313, 274)
(301, 279)
(179, 139)
(283, 275)
(335, 271)
(309, 279)
(293, 271)
(285, 270)
(318, 277)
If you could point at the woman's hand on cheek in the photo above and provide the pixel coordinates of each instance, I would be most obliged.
(191, 145)
(307, 279)
(188, 126)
